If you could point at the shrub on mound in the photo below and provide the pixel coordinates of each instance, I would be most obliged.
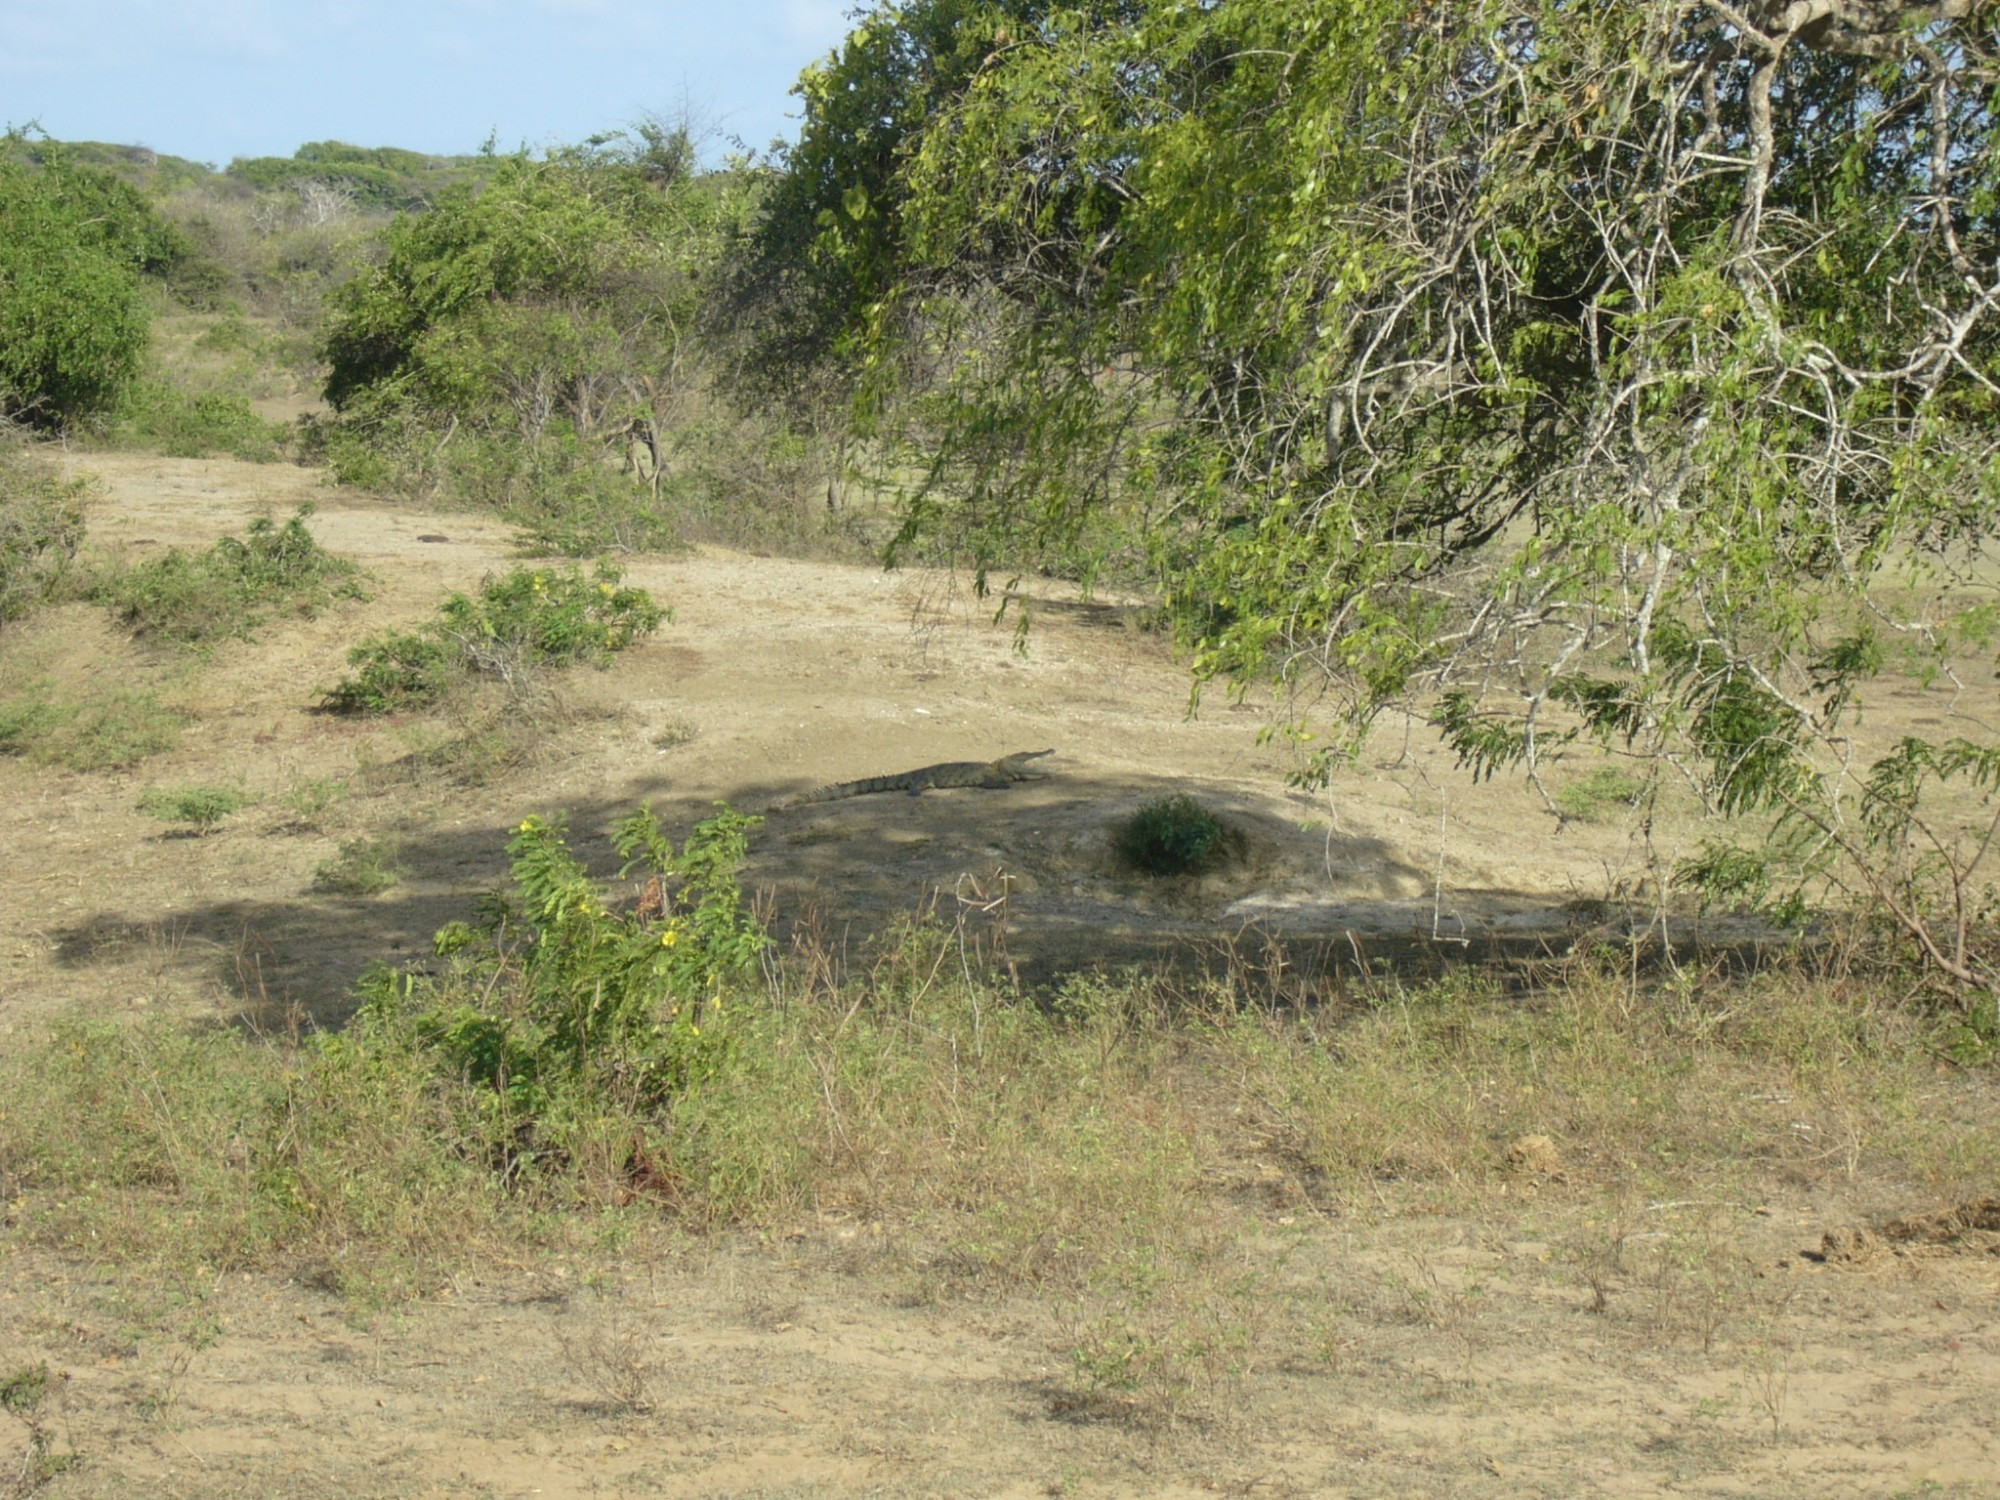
(1173, 836)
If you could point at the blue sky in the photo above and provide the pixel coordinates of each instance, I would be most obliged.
(216, 79)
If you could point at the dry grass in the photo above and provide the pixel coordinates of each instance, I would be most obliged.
(1095, 1150)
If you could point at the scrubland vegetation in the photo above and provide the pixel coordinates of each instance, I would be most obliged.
(1616, 377)
(583, 1066)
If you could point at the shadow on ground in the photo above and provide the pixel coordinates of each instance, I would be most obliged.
(1029, 871)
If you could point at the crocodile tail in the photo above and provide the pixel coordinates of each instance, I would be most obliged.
(840, 791)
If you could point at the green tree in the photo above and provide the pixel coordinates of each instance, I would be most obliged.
(74, 242)
(1566, 370)
(830, 240)
(541, 321)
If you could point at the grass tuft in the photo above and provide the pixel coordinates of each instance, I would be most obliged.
(364, 867)
(109, 729)
(201, 809)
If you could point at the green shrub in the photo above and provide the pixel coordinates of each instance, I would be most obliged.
(197, 597)
(186, 424)
(512, 342)
(532, 618)
(73, 320)
(41, 527)
(202, 282)
(597, 1011)
(1174, 836)
(556, 617)
(201, 808)
(399, 671)
(580, 506)
(227, 335)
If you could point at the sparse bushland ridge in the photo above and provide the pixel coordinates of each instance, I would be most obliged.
(378, 177)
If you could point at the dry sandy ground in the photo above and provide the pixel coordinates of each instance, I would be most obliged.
(1444, 1358)
(1449, 1354)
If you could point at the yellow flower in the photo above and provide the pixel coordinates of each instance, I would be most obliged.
(669, 938)
(604, 589)
(526, 824)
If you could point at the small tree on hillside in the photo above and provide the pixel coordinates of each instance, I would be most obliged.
(73, 243)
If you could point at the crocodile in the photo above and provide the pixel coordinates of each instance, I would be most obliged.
(1005, 771)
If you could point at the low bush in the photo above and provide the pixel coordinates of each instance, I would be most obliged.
(515, 626)
(201, 809)
(564, 1016)
(399, 670)
(364, 867)
(1173, 836)
(188, 424)
(194, 598)
(1600, 793)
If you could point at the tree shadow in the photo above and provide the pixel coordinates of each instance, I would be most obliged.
(1028, 875)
